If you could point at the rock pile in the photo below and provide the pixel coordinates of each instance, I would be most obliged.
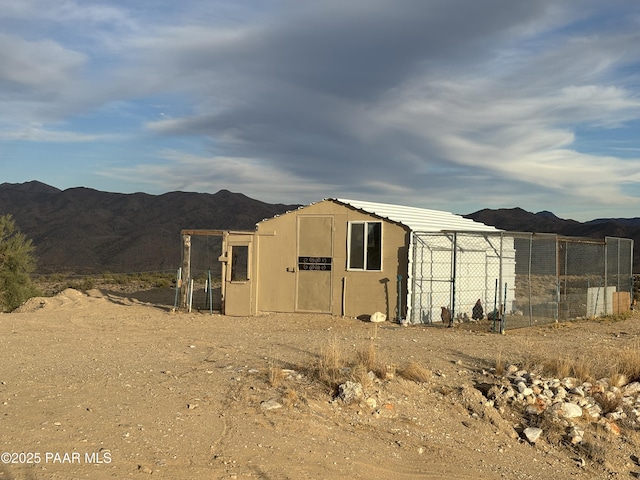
(569, 403)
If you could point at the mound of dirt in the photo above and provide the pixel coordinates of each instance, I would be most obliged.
(66, 297)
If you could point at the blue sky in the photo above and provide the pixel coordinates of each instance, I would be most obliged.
(455, 105)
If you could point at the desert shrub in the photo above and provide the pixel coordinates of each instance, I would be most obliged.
(595, 446)
(331, 364)
(415, 372)
(17, 262)
(628, 362)
(581, 367)
(499, 363)
(608, 401)
(83, 284)
(366, 356)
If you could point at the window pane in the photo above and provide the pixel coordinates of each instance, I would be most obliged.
(239, 263)
(356, 247)
(374, 246)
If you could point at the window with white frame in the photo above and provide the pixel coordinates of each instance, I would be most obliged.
(365, 246)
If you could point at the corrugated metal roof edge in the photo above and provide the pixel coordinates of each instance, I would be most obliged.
(417, 213)
(450, 218)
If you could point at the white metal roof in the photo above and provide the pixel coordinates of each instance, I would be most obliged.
(419, 219)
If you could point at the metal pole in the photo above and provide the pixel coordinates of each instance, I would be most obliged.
(494, 314)
(606, 280)
(178, 285)
(186, 270)
(503, 319)
(344, 296)
(190, 294)
(529, 274)
(500, 263)
(631, 283)
(453, 276)
(210, 295)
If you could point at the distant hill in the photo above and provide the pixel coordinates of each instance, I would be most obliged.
(82, 230)
(519, 220)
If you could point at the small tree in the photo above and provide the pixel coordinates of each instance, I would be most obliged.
(17, 262)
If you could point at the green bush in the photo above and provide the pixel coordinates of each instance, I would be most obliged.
(17, 262)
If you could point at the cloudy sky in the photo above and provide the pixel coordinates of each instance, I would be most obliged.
(455, 105)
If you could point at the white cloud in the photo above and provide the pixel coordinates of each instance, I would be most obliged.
(211, 173)
(370, 97)
(43, 65)
(35, 133)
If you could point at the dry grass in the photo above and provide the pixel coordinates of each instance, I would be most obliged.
(554, 430)
(335, 366)
(275, 375)
(290, 398)
(561, 366)
(360, 374)
(618, 379)
(499, 363)
(595, 445)
(608, 401)
(367, 356)
(583, 369)
(415, 372)
(330, 364)
(628, 362)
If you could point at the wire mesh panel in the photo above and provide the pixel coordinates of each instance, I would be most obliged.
(205, 251)
(432, 277)
(581, 268)
(619, 273)
(536, 280)
(530, 279)
(459, 271)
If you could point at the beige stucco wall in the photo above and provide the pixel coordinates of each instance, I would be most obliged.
(365, 291)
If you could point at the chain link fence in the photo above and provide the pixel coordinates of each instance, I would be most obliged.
(521, 279)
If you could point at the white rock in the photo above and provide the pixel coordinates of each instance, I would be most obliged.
(561, 393)
(594, 411)
(567, 410)
(270, 405)
(378, 317)
(576, 435)
(579, 390)
(511, 369)
(532, 434)
(615, 415)
(631, 389)
(350, 392)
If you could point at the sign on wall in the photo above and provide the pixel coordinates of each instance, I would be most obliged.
(314, 263)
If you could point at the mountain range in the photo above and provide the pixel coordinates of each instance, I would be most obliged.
(86, 231)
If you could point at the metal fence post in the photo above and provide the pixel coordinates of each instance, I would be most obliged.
(606, 276)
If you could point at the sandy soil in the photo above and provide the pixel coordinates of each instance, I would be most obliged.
(106, 385)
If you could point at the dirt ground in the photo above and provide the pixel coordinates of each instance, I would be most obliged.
(115, 385)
